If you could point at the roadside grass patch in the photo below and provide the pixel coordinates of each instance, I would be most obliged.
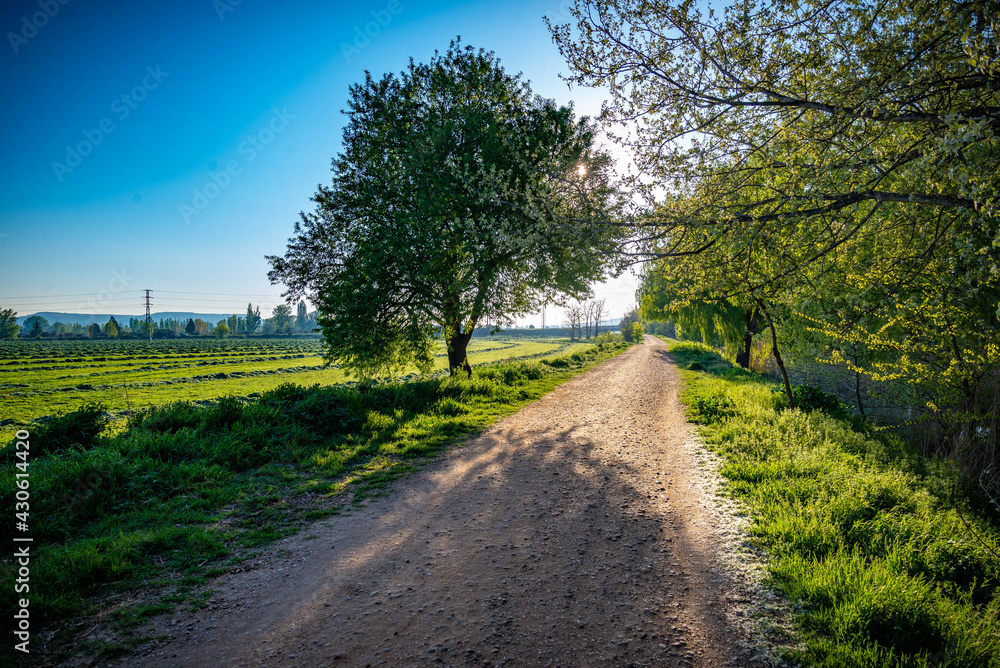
(185, 491)
(888, 558)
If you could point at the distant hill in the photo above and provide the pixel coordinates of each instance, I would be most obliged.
(101, 318)
(212, 318)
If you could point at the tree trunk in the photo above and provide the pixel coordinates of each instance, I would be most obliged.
(777, 355)
(458, 346)
(753, 326)
(743, 356)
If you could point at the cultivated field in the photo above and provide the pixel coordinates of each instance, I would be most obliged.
(40, 378)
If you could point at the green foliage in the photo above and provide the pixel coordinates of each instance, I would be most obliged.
(607, 339)
(282, 317)
(861, 532)
(633, 332)
(168, 419)
(664, 328)
(715, 408)
(631, 327)
(252, 321)
(665, 295)
(810, 398)
(8, 324)
(822, 161)
(302, 317)
(455, 201)
(36, 325)
(78, 428)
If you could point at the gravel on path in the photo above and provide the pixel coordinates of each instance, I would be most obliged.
(577, 532)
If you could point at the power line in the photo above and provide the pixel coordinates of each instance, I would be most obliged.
(165, 292)
(201, 301)
(216, 294)
(79, 294)
(57, 305)
(149, 318)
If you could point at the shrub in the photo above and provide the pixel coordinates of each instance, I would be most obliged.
(512, 373)
(324, 410)
(607, 339)
(632, 332)
(810, 398)
(168, 419)
(223, 414)
(79, 427)
(715, 408)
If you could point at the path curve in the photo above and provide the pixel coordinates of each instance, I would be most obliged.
(572, 533)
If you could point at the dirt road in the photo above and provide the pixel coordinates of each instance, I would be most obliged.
(573, 533)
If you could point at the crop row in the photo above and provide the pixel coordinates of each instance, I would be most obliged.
(34, 392)
(114, 348)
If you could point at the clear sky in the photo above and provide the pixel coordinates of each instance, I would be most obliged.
(119, 113)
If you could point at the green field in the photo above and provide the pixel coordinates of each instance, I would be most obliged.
(135, 521)
(41, 378)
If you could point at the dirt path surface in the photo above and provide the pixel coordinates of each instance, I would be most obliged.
(573, 533)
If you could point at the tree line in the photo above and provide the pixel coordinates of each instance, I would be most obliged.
(281, 322)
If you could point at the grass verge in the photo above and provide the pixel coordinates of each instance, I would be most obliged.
(127, 525)
(877, 545)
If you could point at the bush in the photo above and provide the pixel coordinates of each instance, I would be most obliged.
(632, 332)
(223, 415)
(512, 373)
(715, 408)
(79, 427)
(324, 410)
(168, 419)
(810, 398)
(607, 339)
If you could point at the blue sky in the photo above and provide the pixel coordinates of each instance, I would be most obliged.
(120, 113)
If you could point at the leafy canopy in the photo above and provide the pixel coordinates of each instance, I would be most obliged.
(8, 324)
(837, 159)
(456, 201)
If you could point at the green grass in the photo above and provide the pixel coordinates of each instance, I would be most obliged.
(862, 532)
(152, 512)
(47, 377)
